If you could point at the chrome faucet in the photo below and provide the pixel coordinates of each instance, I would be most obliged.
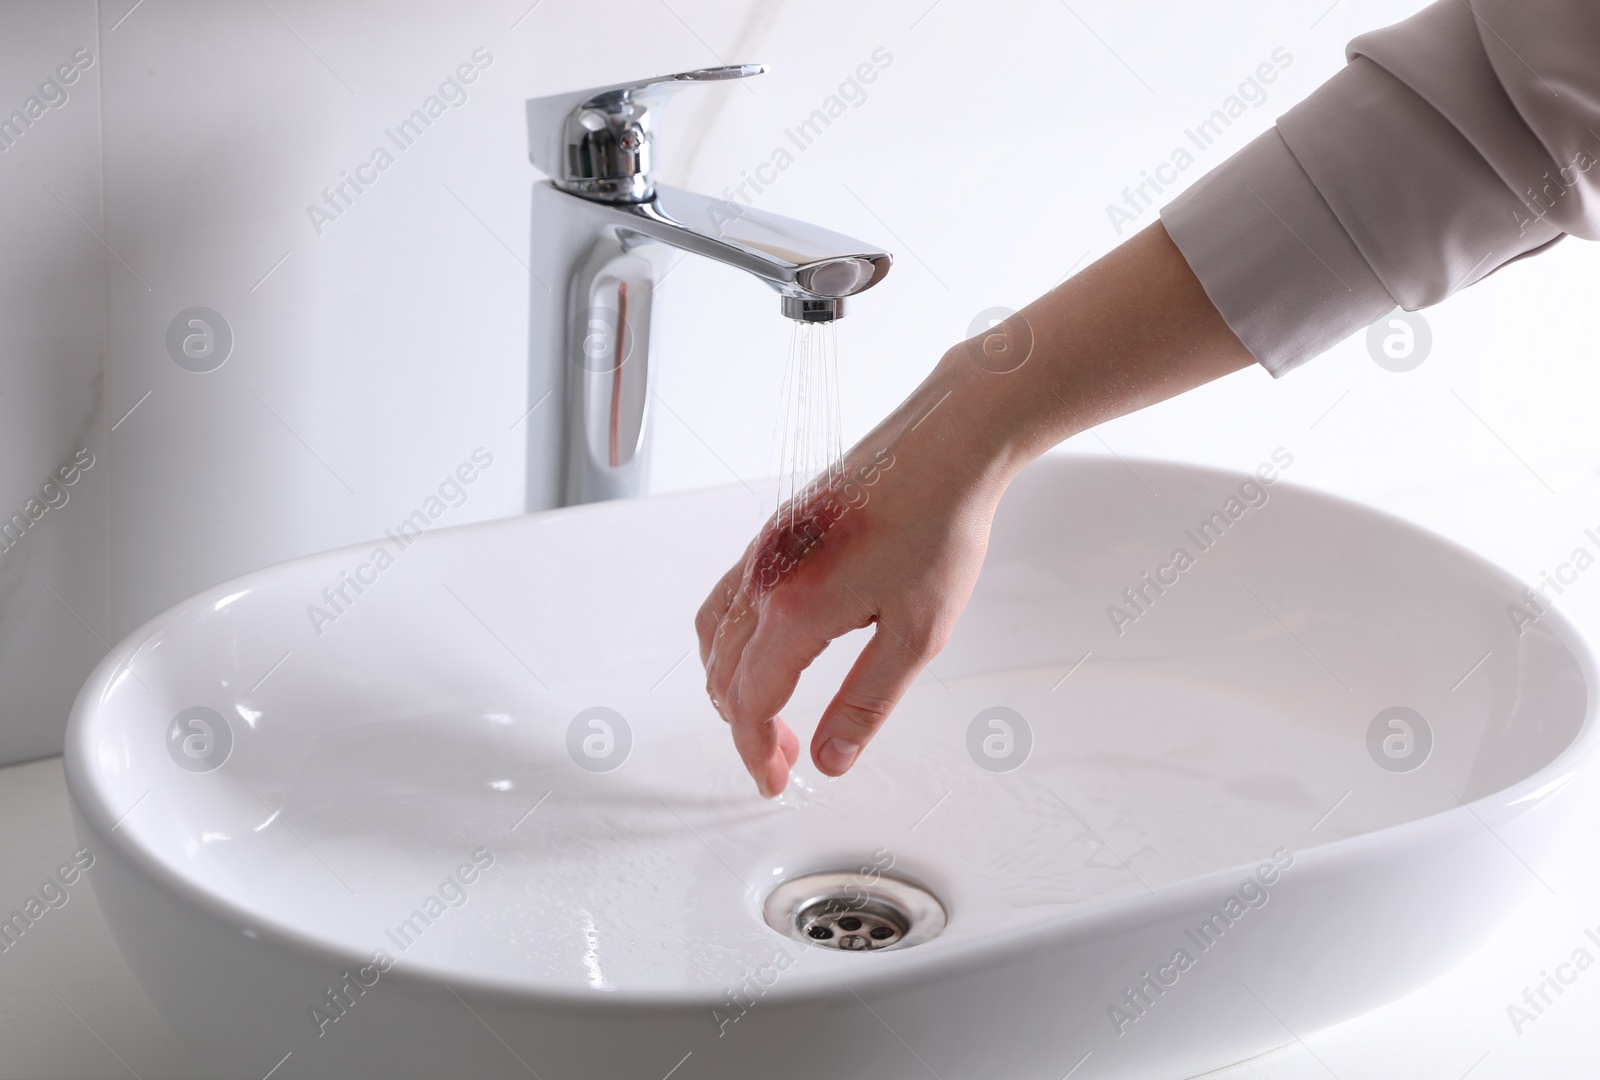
(604, 234)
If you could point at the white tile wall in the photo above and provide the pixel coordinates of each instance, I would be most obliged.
(370, 359)
(53, 572)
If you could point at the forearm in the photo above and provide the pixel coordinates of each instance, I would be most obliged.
(1389, 185)
(1134, 328)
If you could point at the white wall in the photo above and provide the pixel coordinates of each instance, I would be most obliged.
(379, 354)
(53, 596)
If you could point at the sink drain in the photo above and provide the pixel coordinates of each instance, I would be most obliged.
(844, 911)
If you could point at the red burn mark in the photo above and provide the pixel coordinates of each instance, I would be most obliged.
(798, 528)
(793, 533)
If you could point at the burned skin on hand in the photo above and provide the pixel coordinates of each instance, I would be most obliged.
(794, 534)
(799, 529)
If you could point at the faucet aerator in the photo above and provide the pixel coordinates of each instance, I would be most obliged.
(812, 309)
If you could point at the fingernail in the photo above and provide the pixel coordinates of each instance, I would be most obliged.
(777, 781)
(837, 755)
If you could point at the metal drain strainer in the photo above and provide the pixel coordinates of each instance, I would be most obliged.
(844, 911)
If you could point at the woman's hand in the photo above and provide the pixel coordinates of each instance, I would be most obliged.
(897, 537)
(896, 540)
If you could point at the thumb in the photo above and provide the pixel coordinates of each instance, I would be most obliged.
(877, 681)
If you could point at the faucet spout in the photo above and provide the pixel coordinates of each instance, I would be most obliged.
(813, 269)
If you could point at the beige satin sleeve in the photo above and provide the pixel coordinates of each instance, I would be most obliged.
(1450, 145)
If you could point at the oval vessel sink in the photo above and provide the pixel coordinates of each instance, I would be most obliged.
(463, 809)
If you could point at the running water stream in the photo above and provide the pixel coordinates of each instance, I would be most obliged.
(809, 456)
(810, 443)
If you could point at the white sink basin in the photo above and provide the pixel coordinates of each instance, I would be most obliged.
(1210, 763)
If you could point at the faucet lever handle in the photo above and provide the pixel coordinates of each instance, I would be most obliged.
(599, 143)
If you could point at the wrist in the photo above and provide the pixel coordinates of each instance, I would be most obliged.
(975, 427)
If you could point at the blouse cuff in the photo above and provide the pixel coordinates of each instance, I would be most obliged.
(1273, 257)
(1363, 197)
